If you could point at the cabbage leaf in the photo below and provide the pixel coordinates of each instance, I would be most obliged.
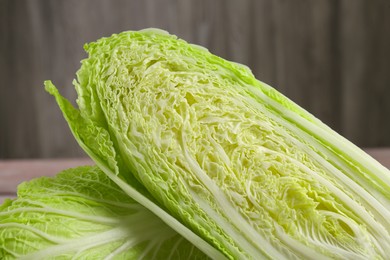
(82, 214)
(198, 139)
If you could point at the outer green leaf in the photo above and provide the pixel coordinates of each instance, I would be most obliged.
(238, 163)
(82, 214)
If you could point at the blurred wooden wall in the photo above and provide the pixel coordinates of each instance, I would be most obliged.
(330, 56)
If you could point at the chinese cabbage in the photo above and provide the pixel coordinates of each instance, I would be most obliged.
(235, 161)
(82, 214)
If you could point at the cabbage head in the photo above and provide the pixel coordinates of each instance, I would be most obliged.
(224, 159)
(82, 214)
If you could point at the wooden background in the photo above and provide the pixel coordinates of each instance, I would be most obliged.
(330, 56)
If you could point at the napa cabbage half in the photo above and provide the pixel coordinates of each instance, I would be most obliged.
(233, 160)
(82, 214)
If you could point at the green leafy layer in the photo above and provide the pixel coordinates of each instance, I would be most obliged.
(82, 214)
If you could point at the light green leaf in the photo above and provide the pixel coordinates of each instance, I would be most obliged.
(82, 214)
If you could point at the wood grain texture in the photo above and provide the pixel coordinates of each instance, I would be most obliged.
(365, 41)
(330, 56)
(13, 172)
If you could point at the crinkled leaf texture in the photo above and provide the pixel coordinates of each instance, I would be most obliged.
(82, 214)
(240, 165)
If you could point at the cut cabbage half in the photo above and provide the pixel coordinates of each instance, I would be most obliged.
(228, 157)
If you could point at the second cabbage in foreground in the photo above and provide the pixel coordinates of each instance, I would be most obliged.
(82, 214)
